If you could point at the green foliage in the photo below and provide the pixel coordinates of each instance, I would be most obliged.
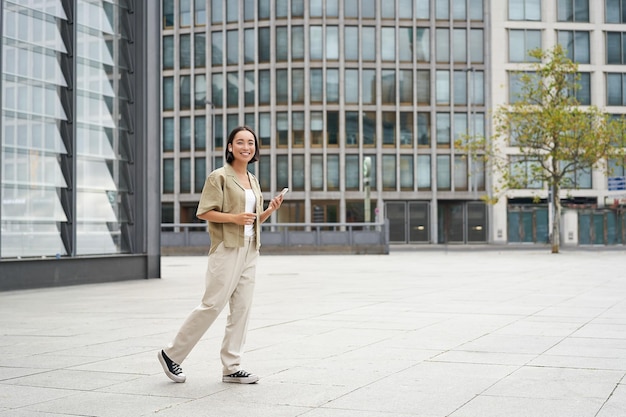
(544, 137)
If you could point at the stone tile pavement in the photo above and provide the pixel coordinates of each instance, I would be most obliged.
(463, 333)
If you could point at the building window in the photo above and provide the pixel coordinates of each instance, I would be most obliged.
(389, 172)
(184, 92)
(525, 10)
(423, 129)
(615, 88)
(282, 171)
(423, 172)
(317, 128)
(583, 92)
(265, 130)
(516, 84)
(422, 78)
(332, 172)
(615, 44)
(369, 128)
(168, 14)
(389, 128)
(185, 13)
(422, 44)
(217, 11)
(249, 86)
(573, 11)
(351, 83)
(368, 39)
(615, 11)
(297, 86)
(406, 172)
(459, 42)
(368, 86)
(388, 44)
(264, 87)
(406, 129)
(168, 52)
(185, 175)
(576, 43)
(332, 128)
(168, 134)
(317, 172)
(297, 172)
(199, 87)
(521, 42)
(282, 87)
(521, 171)
(460, 173)
(297, 129)
(282, 44)
(232, 94)
(578, 179)
(352, 172)
(216, 48)
(405, 44)
(332, 85)
(199, 50)
(168, 176)
(248, 10)
(316, 85)
(185, 134)
(442, 9)
(477, 54)
(443, 87)
(264, 48)
(352, 128)
(297, 43)
(443, 172)
(184, 52)
(388, 86)
(442, 45)
(282, 129)
(199, 174)
(443, 130)
(200, 133)
(265, 172)
(168, 93)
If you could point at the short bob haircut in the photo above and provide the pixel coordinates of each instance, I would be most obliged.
(231, 137)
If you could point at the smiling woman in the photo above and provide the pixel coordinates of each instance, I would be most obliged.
(232, 203)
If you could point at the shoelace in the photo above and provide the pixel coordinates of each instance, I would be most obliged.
(241, 374)
(176, 370)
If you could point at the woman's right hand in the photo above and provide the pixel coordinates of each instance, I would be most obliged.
(244, 219)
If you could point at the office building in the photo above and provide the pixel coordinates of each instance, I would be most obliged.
(329, 84)
(80, 162)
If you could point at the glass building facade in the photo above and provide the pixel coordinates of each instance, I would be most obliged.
(78, 149)
(327, 84)
(330, 83)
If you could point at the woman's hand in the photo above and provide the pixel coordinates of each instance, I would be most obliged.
(244, 219)
(275, 203)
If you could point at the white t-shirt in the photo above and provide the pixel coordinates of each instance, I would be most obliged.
(250, 208)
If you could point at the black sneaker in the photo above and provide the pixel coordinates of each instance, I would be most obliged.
(241, 377)
(171, 368)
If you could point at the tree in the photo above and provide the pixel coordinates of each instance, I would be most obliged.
(550, 138)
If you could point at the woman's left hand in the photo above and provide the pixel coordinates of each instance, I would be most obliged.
(275, 202)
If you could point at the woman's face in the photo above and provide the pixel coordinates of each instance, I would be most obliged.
(243, 146)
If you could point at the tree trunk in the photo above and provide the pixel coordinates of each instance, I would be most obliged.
(556, 221)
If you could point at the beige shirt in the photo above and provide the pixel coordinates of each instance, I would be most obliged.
(223, 192)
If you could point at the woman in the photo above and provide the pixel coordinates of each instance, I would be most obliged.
(232, 203)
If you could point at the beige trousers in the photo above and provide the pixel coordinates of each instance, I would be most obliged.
(229, 279)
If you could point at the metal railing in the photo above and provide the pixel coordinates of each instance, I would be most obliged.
(288, 237)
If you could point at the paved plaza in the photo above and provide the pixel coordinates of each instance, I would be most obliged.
(434, 333)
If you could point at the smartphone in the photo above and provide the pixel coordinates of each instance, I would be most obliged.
(284, 191)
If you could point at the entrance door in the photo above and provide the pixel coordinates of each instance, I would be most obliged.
(408, 221)
(462, 222)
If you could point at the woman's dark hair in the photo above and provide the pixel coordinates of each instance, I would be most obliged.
(229, 155)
